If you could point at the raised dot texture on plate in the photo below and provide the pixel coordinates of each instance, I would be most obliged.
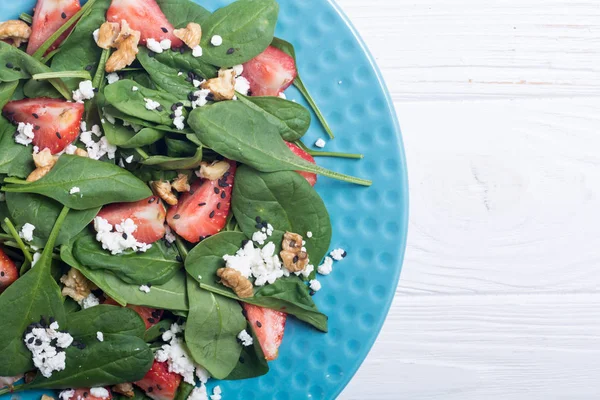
(361, 114)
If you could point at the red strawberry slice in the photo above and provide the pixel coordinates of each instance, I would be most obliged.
(159, 383)
(270, 73)
(151, 316)
(56, 122)
(148, 214)
(85, 394)
(203, 211)
(310, 177)
(269, 326)
(48, 16)
(8, 271)
(144, 16)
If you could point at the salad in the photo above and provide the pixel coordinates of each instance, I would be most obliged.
(159, 223)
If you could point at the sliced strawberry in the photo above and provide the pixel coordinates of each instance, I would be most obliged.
(310, 177)
(144, 16)
(48, 16)
(85, 394)
(270, 73)
(151, 316)
(8, 271)
(148, 214)
(159, 383)
(269, 326)
(203, 211)
(56, 122)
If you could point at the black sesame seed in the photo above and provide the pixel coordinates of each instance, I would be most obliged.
(38, 342)
(202, 204)
(212, 214)
(149, 284)
(58, 135)
(2, 273)
(35, 116)
(223, 184)
(159, 387)
(156, 314)
(179, 259)
(244, 313)
(30, 340)
(223, 194)
(17, 69)
(216, 190)
(179, 104)
(182, 50)
(242, 360)
(85, 394)
(95, 90)
(210, 97)
(9, 65)
(230, 51)
(36, 128)
(226, 175)
(265, 224)
(159, 108)
(258, 324)
(152, 200)
(172, 116)
(88, 67)
(165, 30)
(258, 226)
(245, 242)
(124, 235)
(219, 206)
(176, 216)
(51, 320)
(63, 15)
(344, 254)
(150, 389)
(151, 54)
(169, 245)
(151, 320)
(191, 96)
(189, 79)
(174, 107)
(162, 330)
(312, 292)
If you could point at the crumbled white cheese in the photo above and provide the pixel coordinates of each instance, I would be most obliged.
(179, 119)
(74, 190)
(282, 96)
(99, 149)
(320, 143)
(85, 91)
(121, 238)
(238, 69)
(326, 267)
(70, 149)
(200, 96)
(315, 285)
(179, 73)
(197, 83)
(169, 236)
(26, 232)
(338, 254)
(90, 301)
(196, 52)
(96, 35)
(66, 394)
(135, 88)
(100, 392)
(154, 45)
(112, 78)
(151, 104)
(25, 134)
(242, 85)
(100, 336)
(129, 159)
(306, 271)
(199, 393)
(262, 264)
(309, 234)
(216, 393)
(202, 374)
(245, 338)
(259, 237)
(216, 40)
(36, 149)
(165, 44)
(46, 356)
(145, 288)
(36, 257)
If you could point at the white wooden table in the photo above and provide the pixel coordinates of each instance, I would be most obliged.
(499, 102)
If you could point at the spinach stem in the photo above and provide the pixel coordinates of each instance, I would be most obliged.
(315, 153)
(63, 74)
(304, 91)
(183, 251)
(15, 181)
(49, 56)
(100, 71)
(26, 17)
(13, 231)
(48, 252)
(142, 153)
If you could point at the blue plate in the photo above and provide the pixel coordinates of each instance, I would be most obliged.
(371, 224)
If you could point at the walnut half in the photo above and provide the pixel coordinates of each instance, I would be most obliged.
(163, 190)
(15, 31)
(127, 48)
(294, 259)
(213, 171)
(223, 86)
(190, 35)
(234, 280)
(126, 389)
(77, 286)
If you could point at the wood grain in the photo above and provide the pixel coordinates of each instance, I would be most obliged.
(499, 103)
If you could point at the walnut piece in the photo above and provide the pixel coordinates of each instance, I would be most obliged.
(190, 35)
(77, 286)
(15, 31)
(38, 174)
(223, 86)
(164, 191)
(294, 262)
(126, 389)
(81, 152)
(234, 280)
(109, 31)
(292, 242)
(46, 397)
(127, 48)
(181, 184)
(213, 171)
(44, 158)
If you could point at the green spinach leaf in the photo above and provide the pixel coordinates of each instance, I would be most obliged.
(241, 133)
(289, 295)
(172, 163)
(184, 391)
(125, 137)
(187, 62)
(7, 90)
(288, 202)
(15, 159)
(34, 88)
(252, 362)
(180, 148)
(181, 12)
(156, 331)
(165, 77)
(211, 331)
(100, 183)
(246, 26)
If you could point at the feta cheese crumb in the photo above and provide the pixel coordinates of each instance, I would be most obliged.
(26, 232)
(129, 159)
(70, 149)
(165, 44)
(66, 394)
(238, 69)
(245, 338)
(309, 234)
(320, 143)
(24, 134)
(145, 288)
(35, 259)
(96, 150)
(99, 392)
(200, 98)
(179, 119)
(154, 45)
(44, 345)
(135, 88)
(199, 393)
(216, 40)
(338, 254)
(120, 239)
(216, 393)
(112, 78)
(282, 96)
(306, 271)
(179, 73)
(242, 85)
(96, 35)
(259, 237)
(326, 267)
(151, 104)
(85, 92)
(90, 301)
(315, 285)
(170, 236)
(100, 336)
(196, 52)
(74, 190)
(262, 264)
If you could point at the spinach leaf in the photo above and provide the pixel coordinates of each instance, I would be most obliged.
(171, 163)
(100, 183)
(15, 159)
(34, 88)
(71, 305)
(292, 119)
(123, 356)
(164, 76)
(156, 331)
(79, 51)
(184, 391)
(288, 48)
(7, 90)
(288, 202)
(121, 96)
(241, 133)
(211, 331)
(126, 138)
(169, 296)
(156, 266)
(187, 62)
(246, 26)
(180, 148)
(252, 362)
(289, 295)
(38, 210)
(180, 12)
(148, 173)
